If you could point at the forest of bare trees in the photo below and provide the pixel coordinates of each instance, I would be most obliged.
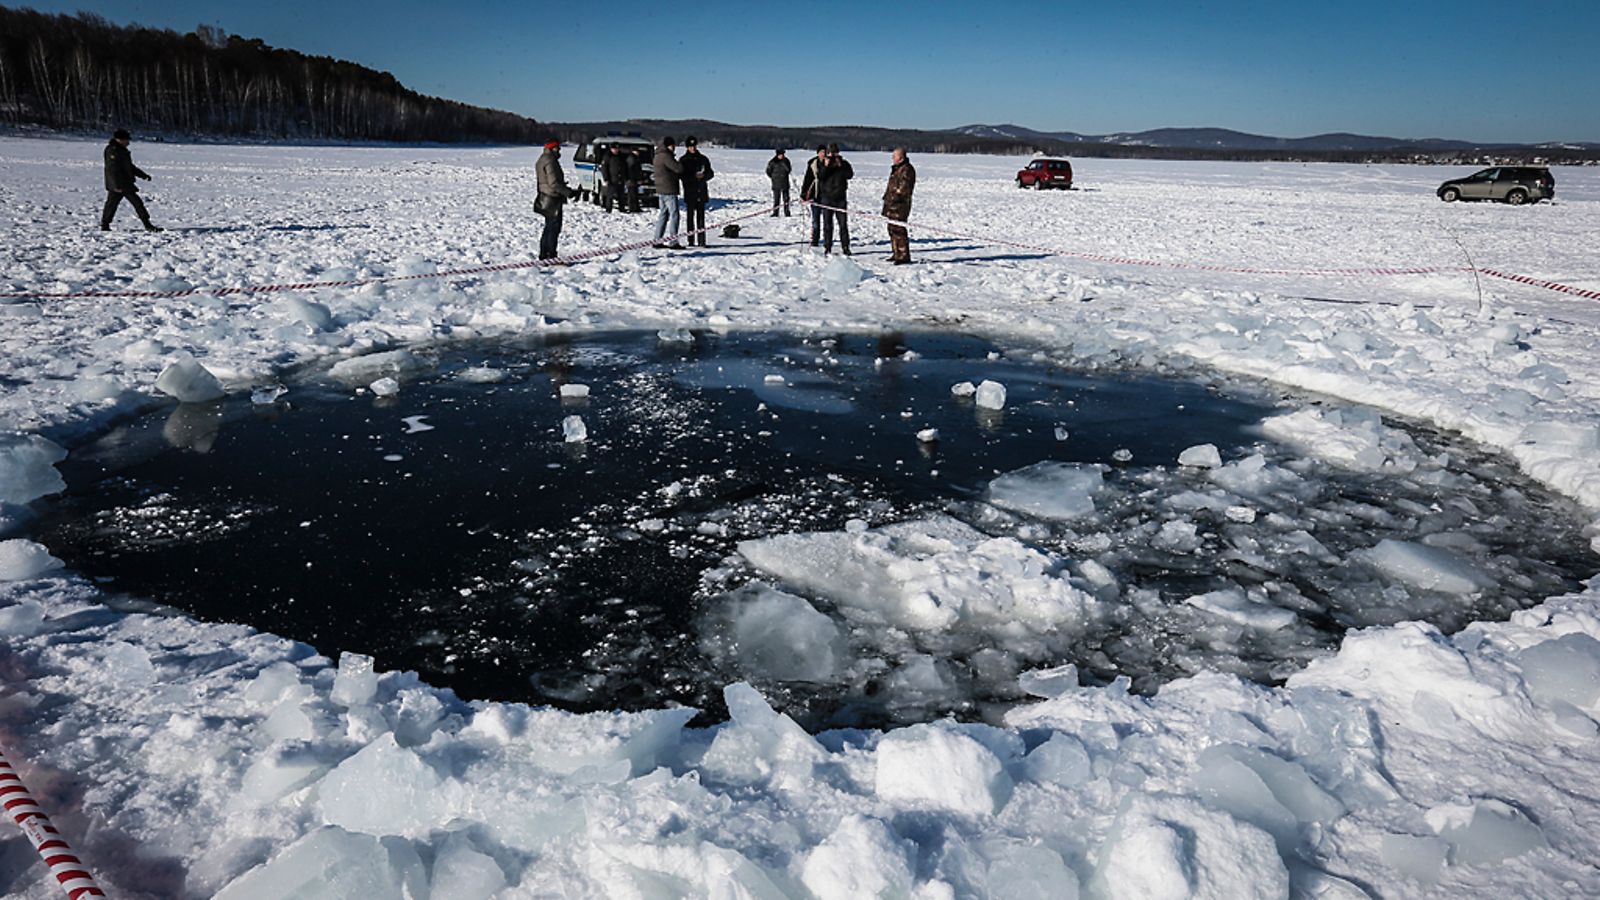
(82, 72)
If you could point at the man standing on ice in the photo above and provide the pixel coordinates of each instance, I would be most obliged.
(667, 171)
(696, 172)
(808, 192)
(635, 175)
(615, 167)
(778, 170)
(897, 204)
(833, 183)
(120, 173)
(553, 196)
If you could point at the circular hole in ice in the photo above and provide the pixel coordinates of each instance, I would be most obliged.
(861, 542)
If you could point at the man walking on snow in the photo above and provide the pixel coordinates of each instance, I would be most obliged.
(120, 173)
(778, 170)
(553, 195)
(897, 204)
(667, 173)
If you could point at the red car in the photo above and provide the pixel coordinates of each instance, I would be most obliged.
(1046, 173)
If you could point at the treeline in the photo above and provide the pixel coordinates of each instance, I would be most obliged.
(866, 138)
(82, 72)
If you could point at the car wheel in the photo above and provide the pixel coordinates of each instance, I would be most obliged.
(1019, 182)
(1517, 197)
(1449, 195)
(1039, 185)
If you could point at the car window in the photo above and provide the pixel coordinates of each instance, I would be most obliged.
(1485, 175)
(1035, 165)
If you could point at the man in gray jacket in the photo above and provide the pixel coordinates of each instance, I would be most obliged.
(120, 173)
(667, 173)
(553, 196)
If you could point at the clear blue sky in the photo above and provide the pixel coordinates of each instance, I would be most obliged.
(1485, 71)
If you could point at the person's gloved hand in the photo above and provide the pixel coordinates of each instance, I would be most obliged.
(142, 175)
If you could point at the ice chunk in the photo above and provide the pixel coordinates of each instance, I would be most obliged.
(1233, 605)
(990, 395)
(25, 619)
(1484, 832)
(288, 722)
(773, 378)
(1270, 793)
(416, 424)
(1201, 456)
(573, 430)
(1062, 433)
(189, 382)
(333, 864)
(1049, 683)
(1048, 490)
(928, 575)
(1172, 848)
(928, 435)
(1061, 760)
(932, 767)
(1241, 514)
(462, 873)
(1421, 566)
(963, 389)
(481, 375)
(385, 387)
(574, 391)
(1029, 870)
(384, 789)
(272, 683)
(311, 314)
(369, 368)
(1177, 536)
(675, 336)
(267, 394)
(281, 771)
(861, 858)
(780, 636)
(355, 684)
(760, 745)
(1122, 455)
(21, 560)
(842, 274)
(1565, 669)
(1570, 437)
(1252, 476)
(1417, 858)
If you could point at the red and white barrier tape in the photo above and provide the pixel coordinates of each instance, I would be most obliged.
(565, 259)
(65, 867)
(1237, 270)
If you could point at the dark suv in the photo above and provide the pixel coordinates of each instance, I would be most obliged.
(1515, 185)
(1046, 173)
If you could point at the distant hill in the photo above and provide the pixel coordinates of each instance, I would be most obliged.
(1162, 143)
(81, 72)
(1223, 139)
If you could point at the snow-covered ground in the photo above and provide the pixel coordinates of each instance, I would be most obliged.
(192, 759)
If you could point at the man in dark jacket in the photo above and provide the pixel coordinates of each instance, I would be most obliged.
(120, 173)
(554, 192)
(696, 193)
(634, 179)
(667, 173)
(897, 204)
(833, 181)
(778, 170)
(808, 192)
(614, 168)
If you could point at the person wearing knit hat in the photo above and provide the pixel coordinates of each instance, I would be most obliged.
(120, 173)
(554, 192)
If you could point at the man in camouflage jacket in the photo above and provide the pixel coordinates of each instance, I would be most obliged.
(897, 204)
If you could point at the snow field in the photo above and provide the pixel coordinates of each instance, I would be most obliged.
(193, 759)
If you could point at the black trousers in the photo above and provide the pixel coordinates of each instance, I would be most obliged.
(611, 194)
(780, 193)
(552, 233)
(828, 217)
(816, 223)
(696, 222)
(630, 197)
(114, 198)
